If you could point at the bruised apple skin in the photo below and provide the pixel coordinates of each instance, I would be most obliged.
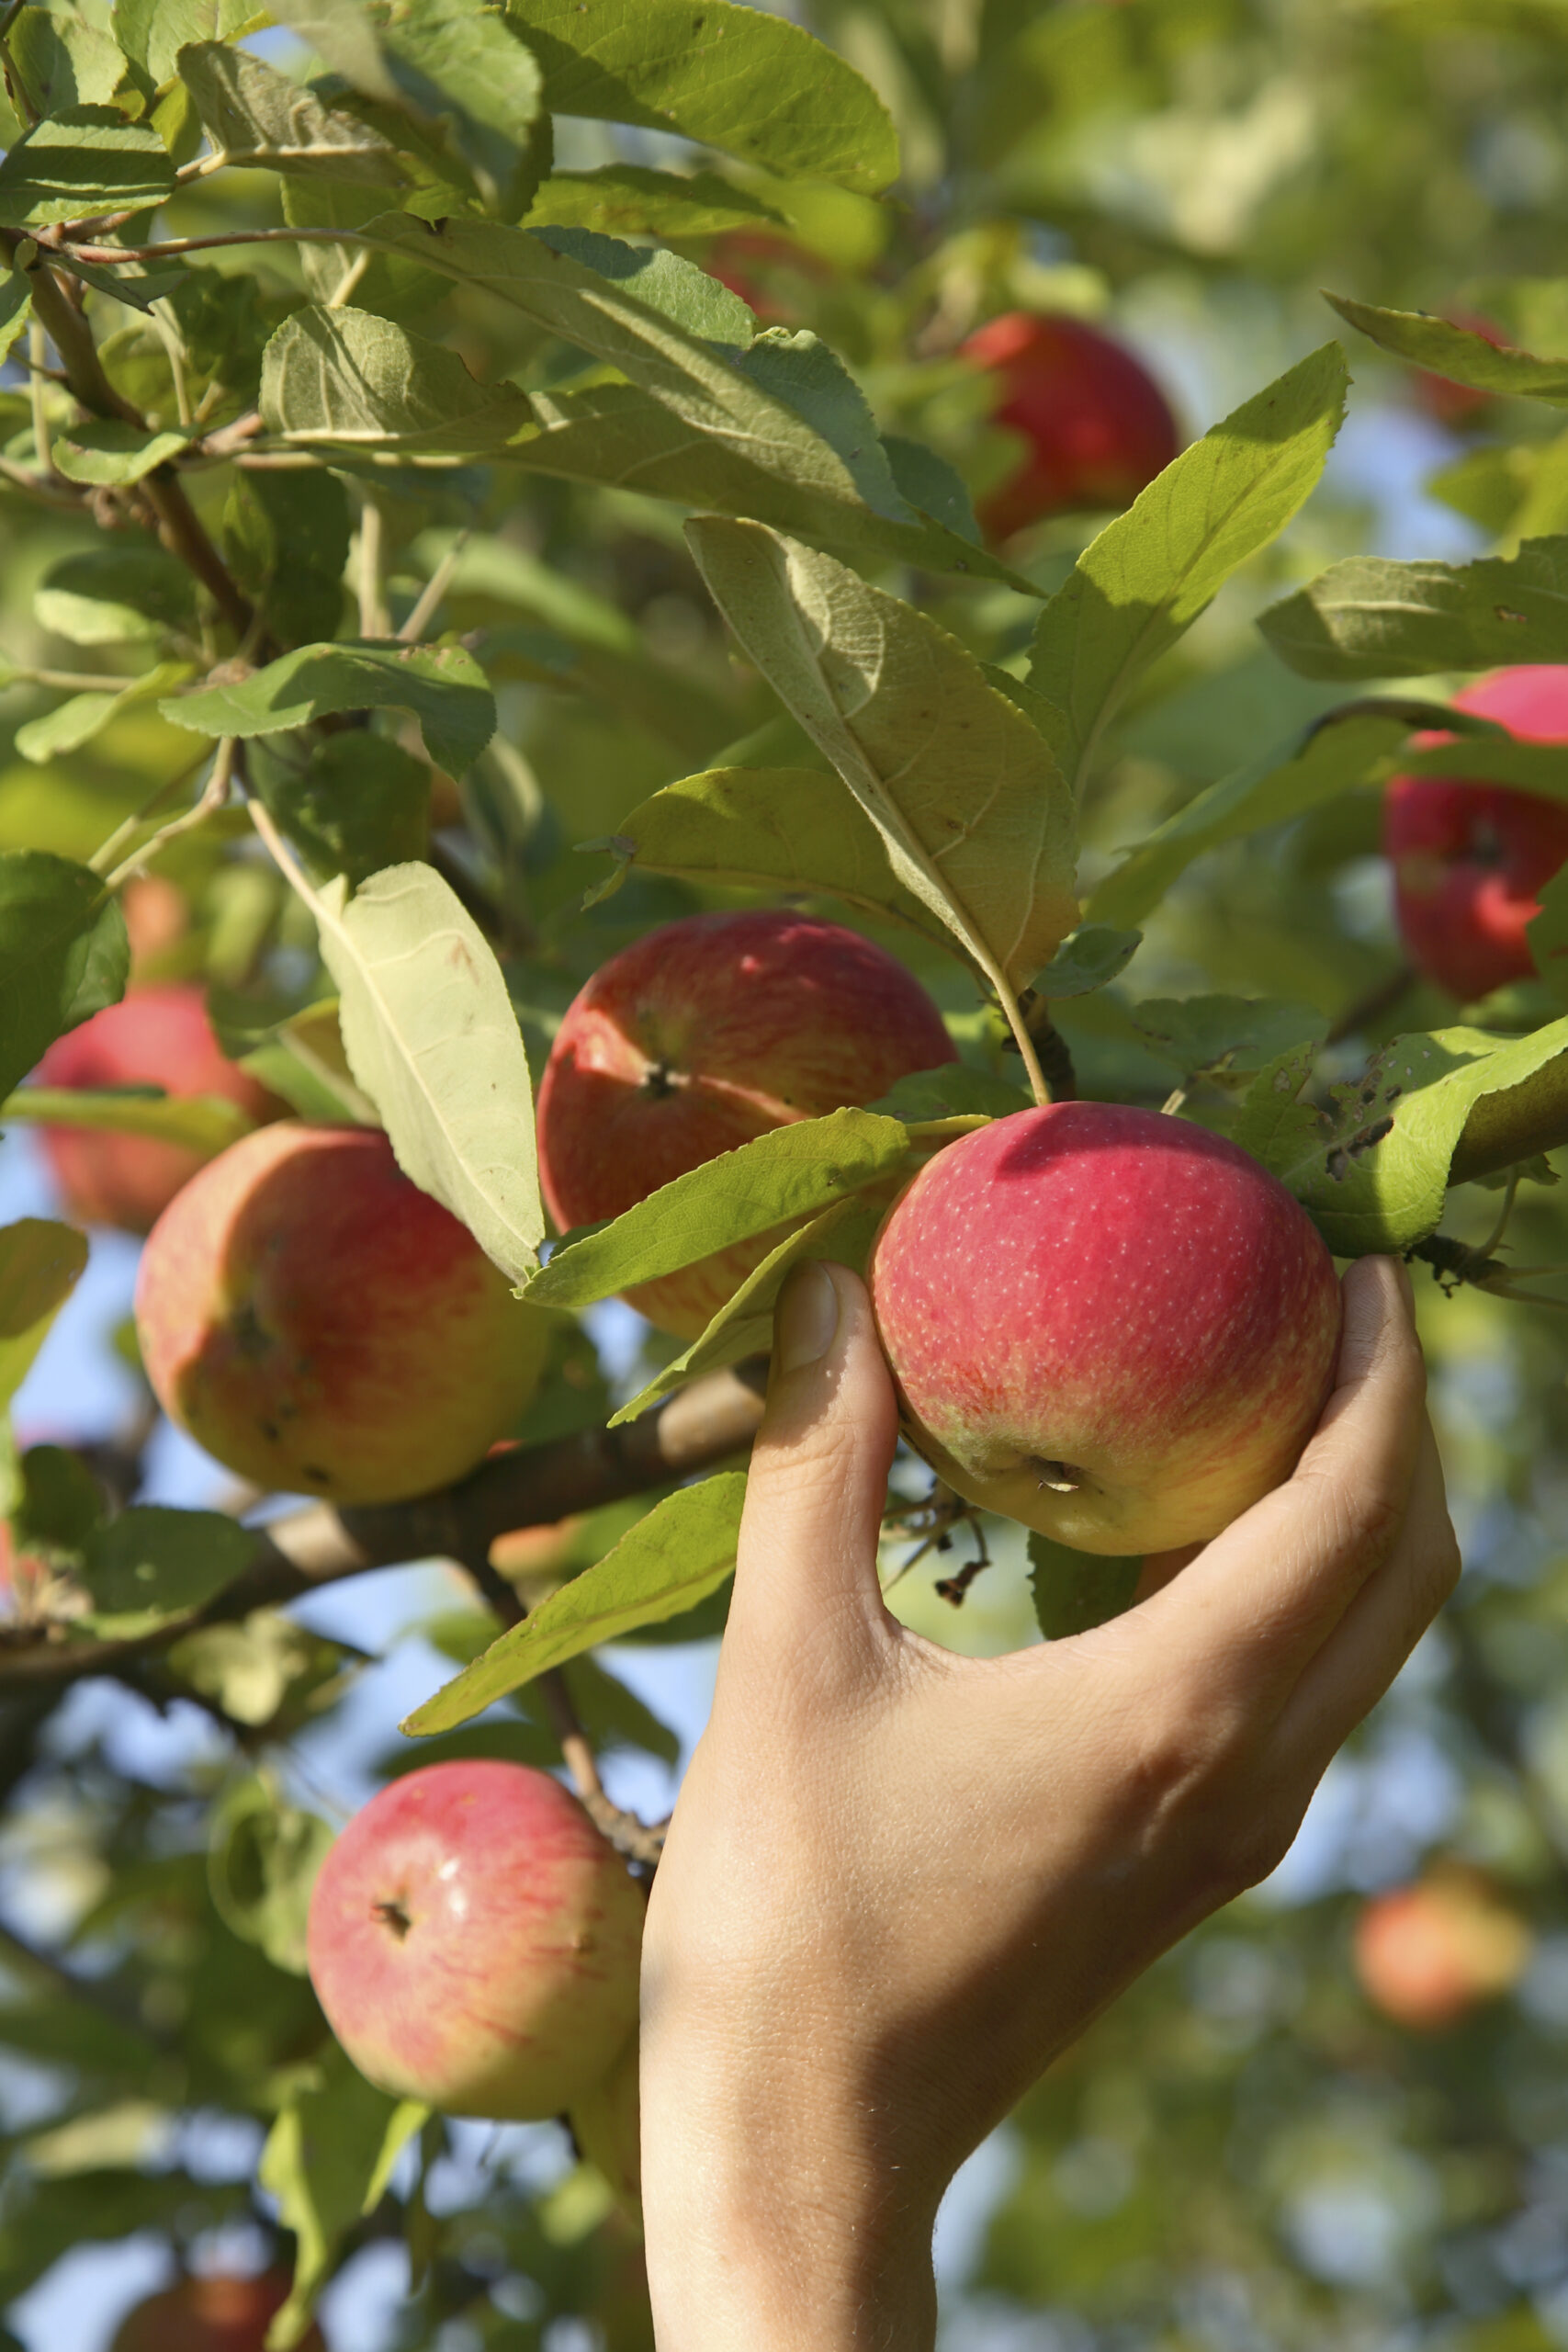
(222, 2313)
(475, 1943)
(700, 1036)
(156, 1037)
(1106, 1323)
(1097, 426)
(323, 1327)
(1470, 860)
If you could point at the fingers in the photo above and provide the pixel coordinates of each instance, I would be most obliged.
(1380, 1629)
(820, 1466)
(1252, 1609)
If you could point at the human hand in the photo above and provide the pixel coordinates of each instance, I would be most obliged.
(899, 1882)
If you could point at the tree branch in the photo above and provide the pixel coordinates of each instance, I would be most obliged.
(532, 1485)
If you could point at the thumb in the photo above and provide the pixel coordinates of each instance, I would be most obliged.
(819, 1463)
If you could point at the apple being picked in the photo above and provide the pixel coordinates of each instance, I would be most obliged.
(155, 1037)
(323, 1327)
(475, 1943)
(700, 1036)
(1098, 426)
(1471, 860)
(1107, 1323)
(1428, 1953)
(221, 2312)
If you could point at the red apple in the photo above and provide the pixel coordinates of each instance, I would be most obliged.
(1471, 860)
(220, 2314)
(1106, 1323)
(1426, 1954)
(156, 1037)
(1440, 396)
(698, 1037)
(475, 1943)
(1097, 426)
(321, 1326)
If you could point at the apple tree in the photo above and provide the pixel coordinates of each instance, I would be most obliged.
(484, 482)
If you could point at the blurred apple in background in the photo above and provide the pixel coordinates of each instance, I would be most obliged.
(1471, 860)
(223, 2312)
(154, 1036)
(1426, 1954)
(1097, 426)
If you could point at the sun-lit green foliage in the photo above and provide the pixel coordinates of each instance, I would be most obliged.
(367, 366)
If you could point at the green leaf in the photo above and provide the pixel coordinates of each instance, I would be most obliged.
(137, 286)
(153, 32)
(63, 954)
(63, 56)
(1350, 746)
(767, 829)
(264, 1670)
(345, 380)
(977, 823)
(433, 1040)
(16, 308)
(667, 282)
(1086, 959)
(1369, 617)
(41, 1264)
(107, 451)
(744, 1325)
(1548, 936)
(327, 2161)
(1073, 1591)
(359, 803)
(742, 80)
(1223, 1037)
(195, 1121)
(1458, 353)
(60, 1501)
(443, 687)
(1149, 574)
(83, 717)
(452, 72)
(1372, 1171)
(153, 1564)
(262, 1865)
(84, 160)
(259, 120)
(624, 199)
(788, 1173)
(956, 1091)
(687, 423)
(670, 1561)
(394, 288)
(114, 594)
(285, 535)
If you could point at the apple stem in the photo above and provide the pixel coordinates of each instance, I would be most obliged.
(1022, 1040)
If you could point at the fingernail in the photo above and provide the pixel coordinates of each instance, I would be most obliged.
(806, 1320)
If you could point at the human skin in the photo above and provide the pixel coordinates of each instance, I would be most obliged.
(898, 1881)
(323, 1327)
(156, 1037)
(1426, 1954)
(1471, 860)
(702, 1036)
(474, 1942)
(1106, 1323)
(223, 2312)
(1097, 426)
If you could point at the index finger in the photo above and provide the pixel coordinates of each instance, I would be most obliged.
(1250, 1612)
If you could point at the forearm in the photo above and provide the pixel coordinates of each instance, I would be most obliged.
(770, 2227)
